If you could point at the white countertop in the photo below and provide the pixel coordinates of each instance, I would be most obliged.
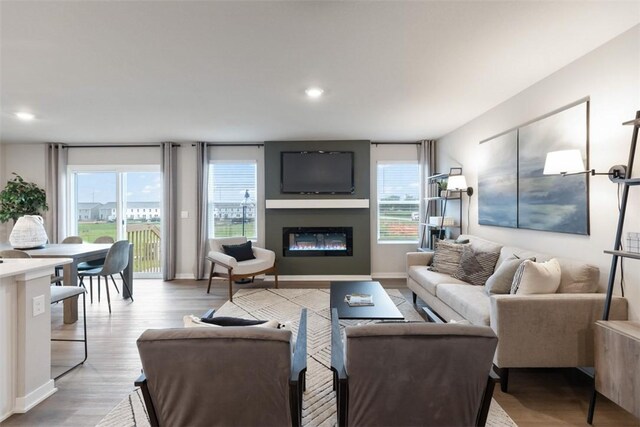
(15, 266)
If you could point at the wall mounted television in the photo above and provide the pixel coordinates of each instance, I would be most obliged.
(316, 172)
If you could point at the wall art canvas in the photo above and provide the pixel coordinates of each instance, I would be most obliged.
(553, 202)
(498, 181)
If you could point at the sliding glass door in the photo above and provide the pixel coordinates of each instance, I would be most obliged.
(122, 203)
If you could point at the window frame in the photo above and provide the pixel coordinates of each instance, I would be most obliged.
(378, 202)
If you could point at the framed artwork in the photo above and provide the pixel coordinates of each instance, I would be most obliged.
(553, 202)
(512, 190)
(498, 181)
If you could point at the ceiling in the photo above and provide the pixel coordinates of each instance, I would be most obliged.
(149, 71)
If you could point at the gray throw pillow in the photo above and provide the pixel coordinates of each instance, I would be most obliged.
(475, 265)
(500, 281)
(446, 257)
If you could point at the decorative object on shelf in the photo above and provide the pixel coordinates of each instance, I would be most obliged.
(442, 188)
(28, 233)
(633, 242)
(516, 194)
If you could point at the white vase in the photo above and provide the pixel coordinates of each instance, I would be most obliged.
(28, 233)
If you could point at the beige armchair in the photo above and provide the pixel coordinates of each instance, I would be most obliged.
(223, 265)
(409, 374)
(223, 376)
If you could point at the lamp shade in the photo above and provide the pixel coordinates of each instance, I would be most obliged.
(563, 162)
(457, 183)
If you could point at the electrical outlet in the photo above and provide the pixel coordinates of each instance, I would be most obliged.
(184, 214)
(38, 305)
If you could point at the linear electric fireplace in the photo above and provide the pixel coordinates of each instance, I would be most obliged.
(317, 241)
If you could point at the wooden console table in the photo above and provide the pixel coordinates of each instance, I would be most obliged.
(617, 362)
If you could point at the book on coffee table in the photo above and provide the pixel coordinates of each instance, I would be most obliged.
(356, 300)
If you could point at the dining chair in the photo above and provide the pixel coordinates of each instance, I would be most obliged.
(88, 265)
(59, 294)
(401, 374)
(14, 253)
(72, 239)
(116, 261)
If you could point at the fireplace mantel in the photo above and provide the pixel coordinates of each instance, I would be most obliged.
(317, 204)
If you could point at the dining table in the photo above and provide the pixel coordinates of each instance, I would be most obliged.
(78, 252)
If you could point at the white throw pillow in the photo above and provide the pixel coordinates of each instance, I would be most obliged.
(537, 278)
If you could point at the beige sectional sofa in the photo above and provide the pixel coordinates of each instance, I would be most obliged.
(543, 330)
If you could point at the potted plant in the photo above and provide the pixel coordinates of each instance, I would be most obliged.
(22, 202)
(442, 187)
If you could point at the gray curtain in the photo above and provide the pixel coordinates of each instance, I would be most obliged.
(169, 209)
(202, 177)
(427, 160)
(56, 186)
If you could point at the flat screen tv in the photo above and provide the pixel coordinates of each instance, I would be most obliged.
(316, 172)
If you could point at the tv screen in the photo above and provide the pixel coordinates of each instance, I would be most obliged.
(317, 172)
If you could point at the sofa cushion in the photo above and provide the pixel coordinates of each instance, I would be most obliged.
(430, 279)
(476, 265)
(471, 302)
(446, 257)
(537, 278)
(578, 277)
(500, 281)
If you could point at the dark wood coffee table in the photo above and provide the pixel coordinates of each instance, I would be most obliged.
(383, 308)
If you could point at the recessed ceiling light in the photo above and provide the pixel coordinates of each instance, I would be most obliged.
(22, 115)
(314, 92)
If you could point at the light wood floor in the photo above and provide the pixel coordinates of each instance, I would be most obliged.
(88, 393)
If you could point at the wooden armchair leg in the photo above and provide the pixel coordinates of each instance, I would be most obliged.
(275, 275)
(213, 264)
(230, 286)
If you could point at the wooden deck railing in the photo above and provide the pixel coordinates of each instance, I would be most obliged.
(146, 247)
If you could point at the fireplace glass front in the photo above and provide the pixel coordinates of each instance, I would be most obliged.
(317, 241)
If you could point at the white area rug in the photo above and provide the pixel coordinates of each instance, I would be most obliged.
(283, 305)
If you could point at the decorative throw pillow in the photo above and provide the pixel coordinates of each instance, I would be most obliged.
(192, 321)
(241, 252)
(500, 281)
(537, 278)
(475, 265)
(446, 257)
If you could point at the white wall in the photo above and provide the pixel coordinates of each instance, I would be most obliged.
(388, 259)
(610, 76)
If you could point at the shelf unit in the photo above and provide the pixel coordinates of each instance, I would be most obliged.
(436, 204)
(621, 336)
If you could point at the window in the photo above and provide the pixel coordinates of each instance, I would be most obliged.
(107, 201)
(232, 199)
(398, 186)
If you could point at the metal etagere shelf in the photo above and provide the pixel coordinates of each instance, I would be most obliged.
(436, 205)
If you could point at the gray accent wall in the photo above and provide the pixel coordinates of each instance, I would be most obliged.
(359, 219)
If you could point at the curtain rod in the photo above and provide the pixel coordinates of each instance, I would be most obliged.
(110, 145)
(213, 144)
(396, 143)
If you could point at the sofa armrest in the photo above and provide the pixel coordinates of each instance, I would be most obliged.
(223, 259)
(419, 258)
(550, 330)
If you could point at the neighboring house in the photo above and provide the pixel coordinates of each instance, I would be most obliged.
(107, 212)
(88, 211)
(143, 210)
(232, 210)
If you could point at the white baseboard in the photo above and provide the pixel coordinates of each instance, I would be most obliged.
(318, 277)
(23, 404)
(187, 276)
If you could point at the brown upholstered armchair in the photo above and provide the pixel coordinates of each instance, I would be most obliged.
(410, 374)
(223, 376)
